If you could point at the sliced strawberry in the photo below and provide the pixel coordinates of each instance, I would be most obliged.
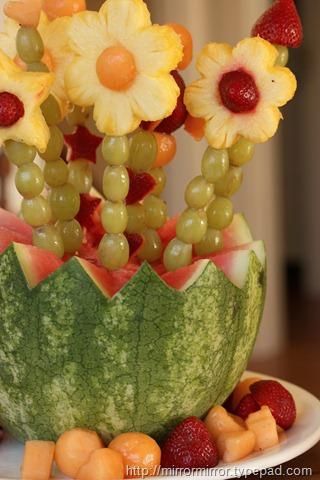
(82, 144)
(11, 109)
(141, 184)
(246, 406)
(180, 113)
(280, 25)
(135, 242)
(272, 394)
(189, 445)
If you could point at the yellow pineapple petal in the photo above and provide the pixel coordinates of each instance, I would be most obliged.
(213, 57)
(198, 99)
(125, 17)
(154, 98)
(156, 49)
(255, 53)
(278, 87)
(220, 131)
(262, 126)
(81, 82)
(88, 34)
(113, 114)
(8, 37)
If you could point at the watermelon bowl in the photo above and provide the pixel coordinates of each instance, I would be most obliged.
(136, 350)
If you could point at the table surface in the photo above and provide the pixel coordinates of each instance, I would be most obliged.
(299, 363)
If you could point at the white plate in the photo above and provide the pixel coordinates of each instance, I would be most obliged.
(300, 438)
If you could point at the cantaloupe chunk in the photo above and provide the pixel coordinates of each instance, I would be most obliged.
(37, 460)
(103, 464)
(241, 390)
(264, 427)
(74, 448)
(234, 446)
(219, 421)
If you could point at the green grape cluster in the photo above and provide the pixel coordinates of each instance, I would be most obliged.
(209, 208)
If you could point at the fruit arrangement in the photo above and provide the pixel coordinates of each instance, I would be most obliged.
(228, 434)
(102, 295)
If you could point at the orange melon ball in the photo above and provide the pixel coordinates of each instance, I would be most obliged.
(187, 43)
(103, 464)
(116, 68)
(167, 148)
(141, 454)
(241, 390)
(74, 448)
(25, 12)
(195, 127)
(62, 8)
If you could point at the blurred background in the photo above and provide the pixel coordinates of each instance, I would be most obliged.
(281, 190)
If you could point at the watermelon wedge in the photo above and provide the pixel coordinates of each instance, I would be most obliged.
(12, 222)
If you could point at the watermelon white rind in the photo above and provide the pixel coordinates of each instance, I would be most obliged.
(142, 360)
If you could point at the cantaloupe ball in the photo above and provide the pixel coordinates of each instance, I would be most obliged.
(62, 8)
(264, 427)
(141, 454)
(103, 464)
(220, 421)
(74, 448)
(241, 390)
(37, 460)
(234, 446)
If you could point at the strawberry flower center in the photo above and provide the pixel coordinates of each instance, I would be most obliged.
(11, 109)
(239, 92)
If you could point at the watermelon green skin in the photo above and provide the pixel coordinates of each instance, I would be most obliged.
(143, 360)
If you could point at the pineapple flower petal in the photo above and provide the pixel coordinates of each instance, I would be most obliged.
(272, 86)
(31, 89)
(153, 50)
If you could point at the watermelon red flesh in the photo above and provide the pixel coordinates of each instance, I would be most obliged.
(12, 222)
(72, 357)
(37, 264)
(8, 236)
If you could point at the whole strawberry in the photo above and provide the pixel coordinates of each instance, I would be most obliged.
(280, 401)
(280, 25)
(189, 445)
(246, 406)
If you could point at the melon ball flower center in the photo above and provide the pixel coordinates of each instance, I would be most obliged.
(116, 68)
(238, 91)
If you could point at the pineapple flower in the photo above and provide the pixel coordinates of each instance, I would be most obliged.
(21, 95)
(240, 92)
(122, 66)
(57, 54)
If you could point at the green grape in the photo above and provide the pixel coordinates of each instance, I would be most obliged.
(215, 164)
(241, 152)
(64, 202)
(155, 212)
(230, 183)
(212, 242)
(115, 183)
(29, 44)
(143, 151)
(51, 111)
(283, 56)
(161, 179)
(114, 217)
(18, 153)
(56, 173)
(37, 67)
(114, 251)
(116, 150)
(48, 237)
(72, 235)
(177, 255)
(36, 211)
(78, 116)
(192, 226)
(199, 192)
(55, 145)
(29, 180)
(220, 213)
(152, 247)
(80, 175)
(136, 218)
